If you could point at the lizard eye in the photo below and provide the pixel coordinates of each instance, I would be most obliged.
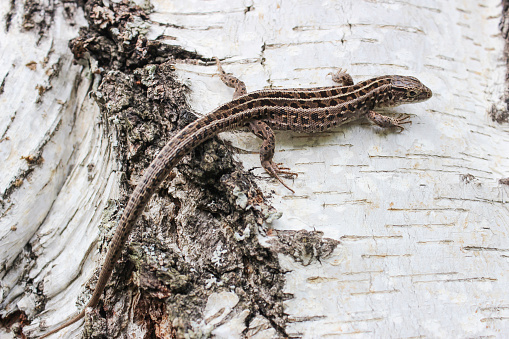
(412, 93)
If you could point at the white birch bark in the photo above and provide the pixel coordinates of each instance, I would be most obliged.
(52, 207)
(421, 216)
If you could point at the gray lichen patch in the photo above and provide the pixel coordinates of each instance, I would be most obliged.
(303, 246)
(159, 272)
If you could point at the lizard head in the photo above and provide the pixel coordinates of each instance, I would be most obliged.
(409, 90)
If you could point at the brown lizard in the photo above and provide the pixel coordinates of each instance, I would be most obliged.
(296, 109)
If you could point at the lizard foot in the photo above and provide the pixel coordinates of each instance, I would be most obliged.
(388, 122)
(275, 169)
(284, 170)
(401, 119)
(342, 77)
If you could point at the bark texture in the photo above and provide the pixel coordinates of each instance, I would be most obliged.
(199, 239)
(388, 235)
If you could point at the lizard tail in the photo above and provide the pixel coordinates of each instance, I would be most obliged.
(181, 144)
(70, 322)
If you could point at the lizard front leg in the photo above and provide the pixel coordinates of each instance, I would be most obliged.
(342, 77)
(387, 122)
(264, 132)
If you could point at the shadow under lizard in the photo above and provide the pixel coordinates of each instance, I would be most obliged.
(296, 109)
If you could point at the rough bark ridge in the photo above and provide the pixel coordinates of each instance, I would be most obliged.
(198, 236)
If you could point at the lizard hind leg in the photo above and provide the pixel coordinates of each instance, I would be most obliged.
(231, 81)
(264, 132)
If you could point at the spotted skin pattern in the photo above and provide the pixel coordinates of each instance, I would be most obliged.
(297, 109)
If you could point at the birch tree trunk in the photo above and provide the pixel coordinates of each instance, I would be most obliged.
(388, 234)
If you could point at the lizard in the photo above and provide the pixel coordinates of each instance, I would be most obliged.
(296, 109)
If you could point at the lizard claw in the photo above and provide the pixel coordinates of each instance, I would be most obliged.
(401, 119)
(284, 170)
(275, 169)
(339, 71)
